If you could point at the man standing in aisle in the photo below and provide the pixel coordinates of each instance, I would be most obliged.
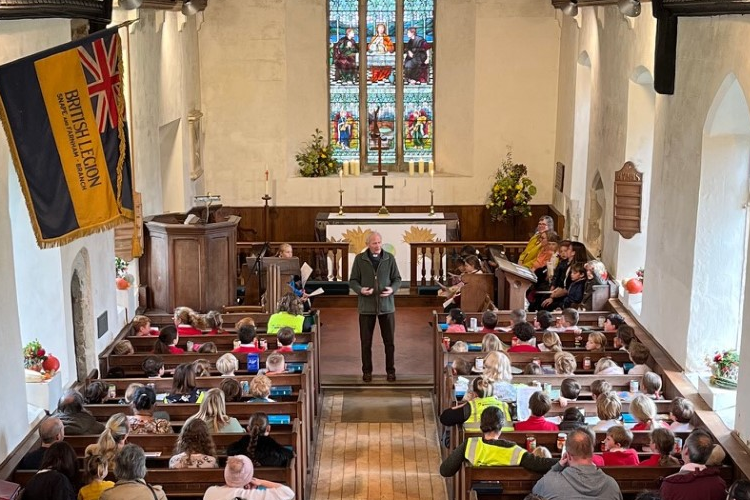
(375, 278)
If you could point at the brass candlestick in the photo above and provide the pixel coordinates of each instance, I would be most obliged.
(432, 202)
(341, 202)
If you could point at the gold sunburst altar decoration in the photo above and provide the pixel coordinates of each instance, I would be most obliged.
(416, 234)
(357, 239)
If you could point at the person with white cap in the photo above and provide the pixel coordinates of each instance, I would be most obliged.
(240, 483)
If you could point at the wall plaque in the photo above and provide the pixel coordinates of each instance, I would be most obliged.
(559, 176)
(628, 200)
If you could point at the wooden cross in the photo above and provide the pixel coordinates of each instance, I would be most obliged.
(383, 187)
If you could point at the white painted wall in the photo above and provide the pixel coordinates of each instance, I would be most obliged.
(496, 84)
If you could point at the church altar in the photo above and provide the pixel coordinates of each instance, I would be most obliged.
(397, 229)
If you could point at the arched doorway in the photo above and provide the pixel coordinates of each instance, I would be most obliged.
(597, 205)
(84, 336)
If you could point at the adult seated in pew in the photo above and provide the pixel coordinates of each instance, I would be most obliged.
(130, 470)
(489, 322)
(681, 413)
(259, 446)
(96, 392)
(534, 246)
(546, 257)
(565, 363)
(195, 448)
(285, 339)
(142, 420)
(576, 476)
(540, 405)
(596, 274)
(96, 470)
(524, 332)
(662, 446)
(188, 322)
(123, 348)
(289, 312)
(643, 409)
(456, 321)
(605, 366)
(609, 412)
(550, 342)
(558, 282)
(232, 390)
(57, 478)
(491, 342)
(490, 450)
(141, 326)
(166, 343)
(624, 337)
(74, 417)
(227, 364)
(240, 483)
(184, 389)
(639, 355)
(260, 389)
(596, 342)
(153, 367)
(111, 440)
(617, 450)
(51, 430)
(469, 413)
(695, 480)
(213, 411)
(214, 322)
(246, 332)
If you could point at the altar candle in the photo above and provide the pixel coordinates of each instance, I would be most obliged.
(421, 166)
(345, 168)
(266, 180)
(356, 167)
(431, 166)
(432, 179)
(341, 179)
(411, 167)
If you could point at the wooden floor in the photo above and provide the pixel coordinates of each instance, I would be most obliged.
(375, 460)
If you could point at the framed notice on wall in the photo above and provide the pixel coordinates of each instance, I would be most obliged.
(559, 176)
(628, 200)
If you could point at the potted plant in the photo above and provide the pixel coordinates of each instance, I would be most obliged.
(725, 369)
(316, 159)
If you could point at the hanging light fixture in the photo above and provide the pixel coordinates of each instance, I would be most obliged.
(130, 4)
(571, 9)
(630, 8)
(192, 7)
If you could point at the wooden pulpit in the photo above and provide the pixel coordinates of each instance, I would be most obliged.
(513, 282)
(193, 265)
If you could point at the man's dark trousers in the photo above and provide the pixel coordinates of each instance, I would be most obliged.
(366, 330)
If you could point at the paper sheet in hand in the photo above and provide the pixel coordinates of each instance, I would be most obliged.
(523, 394)
(305, 272)
(319, 291)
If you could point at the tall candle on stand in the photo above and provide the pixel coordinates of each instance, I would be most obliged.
(431, 166)
(432, 179)
(421, 166)
(346, 167)
(341, 179)
(266, 180)
(411, 167)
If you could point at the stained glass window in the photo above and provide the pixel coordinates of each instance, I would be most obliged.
(394, 80)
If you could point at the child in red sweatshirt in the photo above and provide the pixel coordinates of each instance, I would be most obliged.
(539, 404)
(617, 447)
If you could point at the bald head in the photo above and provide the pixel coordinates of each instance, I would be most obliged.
(51, 429)
(580, 444)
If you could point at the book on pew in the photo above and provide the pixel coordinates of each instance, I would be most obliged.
(295, 367)
(299, 347)
(281, 390)
(152, 453)
(279, 419)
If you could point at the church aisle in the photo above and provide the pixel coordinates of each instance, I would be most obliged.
(377, 445)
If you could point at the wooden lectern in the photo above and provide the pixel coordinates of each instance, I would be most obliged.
(513, 282)
(193, 265)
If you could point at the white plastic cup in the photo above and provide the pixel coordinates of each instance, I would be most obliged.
(479, 364)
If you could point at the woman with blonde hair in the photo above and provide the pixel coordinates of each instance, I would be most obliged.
(213, 411)
(260, 389)
(491, 342)
(227, 364)
(550, 342)
(195, 448)
(188, 322)
(643, 409)
(111, 440)
(565, 363)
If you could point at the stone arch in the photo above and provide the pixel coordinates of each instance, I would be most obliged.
(596, 207)
(84, 333)
(721, 226)
(576, 181)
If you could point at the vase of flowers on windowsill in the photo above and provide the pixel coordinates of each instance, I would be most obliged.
(725, 369)
(511, 191)
(316, 159)
(123, 279)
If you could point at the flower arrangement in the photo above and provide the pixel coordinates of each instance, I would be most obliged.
(34, 355)
(511, 191)
(725, 368)
(316, 159)
(639, 274)
(123, 278)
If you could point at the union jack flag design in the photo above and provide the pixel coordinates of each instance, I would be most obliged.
(100, 62)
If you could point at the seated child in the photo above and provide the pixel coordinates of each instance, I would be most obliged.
(605, 366)
(651, 385)
(600, 387)
(489, 322)
(681, 413)
(539, 404)
(167, 341)
(153, 367)
(246, 333)
(572, 418)
(643, 409)
(617, 450)
(570, 319)
(142, 327)
(662, 445)
(517, 316)
(491, 342)
(123, 348)
(609, 411)
(202, 367)
(543, 320)
(639, 355)
(597, 342)
(576, 287)
(533, 369)
(208, 348)
(460, 346)
(624, 336)
(232, 390)
(285, 339)
(227, 364)
(462, 366)
(275, 365)
(565, 363)
(455, 321)
(550, 342)
(260, 389)
(214, 322)
(613, 322)
(524, 332)
(570, 389)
